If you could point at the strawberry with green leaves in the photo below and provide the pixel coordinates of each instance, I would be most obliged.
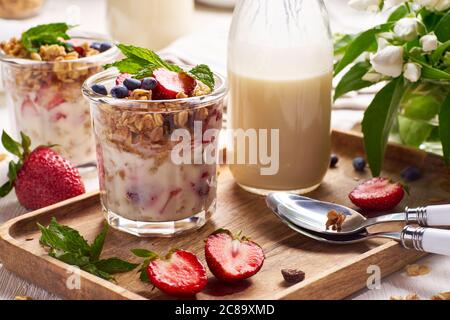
(40, 177)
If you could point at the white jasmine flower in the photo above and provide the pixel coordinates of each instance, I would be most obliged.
(435, 5)
(407, 28)
(388, 61)
(382, 43)
(365, 5)
(429, 42)
(387, 35)
(412, 71)
(372, 76)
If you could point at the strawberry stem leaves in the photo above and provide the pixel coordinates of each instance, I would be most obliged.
(67, 245)
(149, 257)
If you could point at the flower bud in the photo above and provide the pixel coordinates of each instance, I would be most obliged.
(429, 42)
(407, 28)
(365, 5)
(372, 76)
(435, 5)
(388, 61)
(412, 71)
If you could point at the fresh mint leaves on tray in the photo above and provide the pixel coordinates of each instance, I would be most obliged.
(141, 63)
(51, 33)
(67, 245)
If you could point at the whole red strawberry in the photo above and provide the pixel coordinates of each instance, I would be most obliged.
(232, 258)
(179, 274)
(41, 177)
(378, 194)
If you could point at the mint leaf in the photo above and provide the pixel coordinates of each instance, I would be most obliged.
(74, 242)
(144, 253)
(115, 265)
(97, 245)
(204, 74)
(378, 121)
(413, 132)
(92, 269)
(360, 44)
(11, 145)
(40, 35)
(127, 65)
(147, 57)
(73, 259)
(442, 30)
(353, 79)
(444, 128)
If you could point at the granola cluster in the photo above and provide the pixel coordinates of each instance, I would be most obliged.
(335, 220)
(141, 131)
(17, 9)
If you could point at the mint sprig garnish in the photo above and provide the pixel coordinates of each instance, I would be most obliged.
(21, 150)
(51, 33)
(141, 63)
(67, 245)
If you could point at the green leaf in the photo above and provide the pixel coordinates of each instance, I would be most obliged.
(428, 72)
(341, 43)
(13, 168)
(147, 57)
(439, 52)
(33, 38)
(127, 65)
(144, 253)
(413, 132)
(360, 44)
(143, 276)
(26, 143)
(97, 245)
(378, 121)
(73, 241)
(11, 145)
(420, 106)
(442, 30)
(204, 74)
(398, 13)
(115, 265)
(73, 259)
(51, 239)
(353, 79)
(92, 269)
(6, 189)
(444, 128)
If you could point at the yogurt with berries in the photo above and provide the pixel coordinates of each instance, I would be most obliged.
(43, 88)
(144, 191)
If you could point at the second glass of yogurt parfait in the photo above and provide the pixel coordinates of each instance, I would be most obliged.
(145, 189)
(43, 91)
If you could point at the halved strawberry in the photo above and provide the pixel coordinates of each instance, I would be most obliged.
(80, 50)
(171, 83)
(121, 78)
(377, 194)
(179, 274)
(232, 258)
(49, 97)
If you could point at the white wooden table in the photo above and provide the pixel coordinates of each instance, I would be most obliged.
(208, 48)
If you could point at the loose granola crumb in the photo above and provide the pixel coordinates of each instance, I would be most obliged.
(293, 275)
(23, 298)
(335, 220)
(3, 156)
(416, 270)
(441, 296)
(411, 296)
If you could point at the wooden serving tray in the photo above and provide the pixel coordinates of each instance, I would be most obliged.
(332, 272)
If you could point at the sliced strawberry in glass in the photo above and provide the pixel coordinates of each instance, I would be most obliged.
(49, 97)
(170, 84)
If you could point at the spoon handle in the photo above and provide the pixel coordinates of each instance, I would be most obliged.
(428, 240)
(431, 216)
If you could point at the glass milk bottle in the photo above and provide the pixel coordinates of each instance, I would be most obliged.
(152, 24)
(280, 64)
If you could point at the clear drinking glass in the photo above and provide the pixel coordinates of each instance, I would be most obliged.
(145, 189)
(280, 63)
(149, 23)
(46, 103)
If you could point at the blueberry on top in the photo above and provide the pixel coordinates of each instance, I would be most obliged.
(100, 89)
(104, 46)
(132, 84)
(96, 45)
(359, 164)
(120, 92)
(149, 83)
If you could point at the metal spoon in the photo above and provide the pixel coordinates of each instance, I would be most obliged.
(417, 238)
(312, 214)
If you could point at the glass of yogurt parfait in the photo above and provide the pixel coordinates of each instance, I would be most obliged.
(146, 189)
(43, 81)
